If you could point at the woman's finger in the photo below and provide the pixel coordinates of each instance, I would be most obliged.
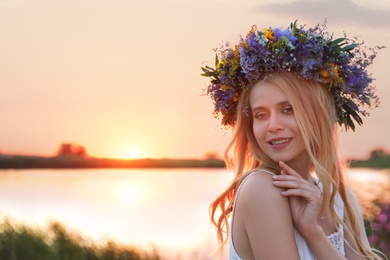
(294, 184)
(309, 195)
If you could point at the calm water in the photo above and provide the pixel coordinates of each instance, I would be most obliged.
(165, 209)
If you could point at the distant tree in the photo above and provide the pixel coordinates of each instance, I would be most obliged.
(71, 149)
(377, 153)
(211, 156)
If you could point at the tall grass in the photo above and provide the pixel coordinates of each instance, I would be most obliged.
(19, 242)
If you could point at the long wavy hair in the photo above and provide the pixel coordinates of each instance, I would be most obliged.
(315, 115)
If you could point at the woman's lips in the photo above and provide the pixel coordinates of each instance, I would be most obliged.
(278, 143)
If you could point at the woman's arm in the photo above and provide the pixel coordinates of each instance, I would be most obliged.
(263, 227)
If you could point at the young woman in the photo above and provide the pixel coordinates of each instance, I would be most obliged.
(283, 93)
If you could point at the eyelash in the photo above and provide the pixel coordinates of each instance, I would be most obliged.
(261, 115)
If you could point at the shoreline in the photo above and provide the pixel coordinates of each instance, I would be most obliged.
(76, 162)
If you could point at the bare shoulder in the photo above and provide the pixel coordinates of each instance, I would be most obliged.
(258, 197)
(262, 220)
(258, 188)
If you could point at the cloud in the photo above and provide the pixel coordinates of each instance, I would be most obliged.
(343, 12)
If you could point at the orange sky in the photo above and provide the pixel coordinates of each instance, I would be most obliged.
(122, 78)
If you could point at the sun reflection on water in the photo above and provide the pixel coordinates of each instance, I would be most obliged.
(370, 185)
(129, 194)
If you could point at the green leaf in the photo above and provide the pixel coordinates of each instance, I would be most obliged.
(357, 118)
(367, 100)
(337, 41)
(349, 123)
(216, 60)
(207, 74)
(207, 68)
(350, 47)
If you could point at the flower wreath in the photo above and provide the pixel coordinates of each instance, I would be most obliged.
(312, 54)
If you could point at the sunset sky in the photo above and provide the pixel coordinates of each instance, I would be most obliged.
(122, 77)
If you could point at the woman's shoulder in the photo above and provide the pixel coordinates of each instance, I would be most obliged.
(258, 178)
(257, 188)
(257, 203)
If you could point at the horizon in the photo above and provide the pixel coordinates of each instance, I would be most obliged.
(206, 156)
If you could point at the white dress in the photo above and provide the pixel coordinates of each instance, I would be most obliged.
(304, 251)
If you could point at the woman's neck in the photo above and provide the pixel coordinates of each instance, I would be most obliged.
(302, 167)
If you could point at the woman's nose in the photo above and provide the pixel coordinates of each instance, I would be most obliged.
(275, 123)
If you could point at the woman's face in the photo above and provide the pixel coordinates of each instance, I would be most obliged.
(274, 125)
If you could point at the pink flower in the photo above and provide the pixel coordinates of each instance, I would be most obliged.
(373, 239)
(382, 218)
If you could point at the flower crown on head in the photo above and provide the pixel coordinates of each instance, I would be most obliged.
(341, 64)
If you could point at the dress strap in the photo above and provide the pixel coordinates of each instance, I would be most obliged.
(242, 182)
(260, 170)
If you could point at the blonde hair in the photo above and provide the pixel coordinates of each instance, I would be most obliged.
(314, 113)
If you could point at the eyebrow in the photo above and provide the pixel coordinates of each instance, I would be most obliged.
(281, 103)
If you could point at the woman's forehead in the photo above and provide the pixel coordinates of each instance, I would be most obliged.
(263, 93)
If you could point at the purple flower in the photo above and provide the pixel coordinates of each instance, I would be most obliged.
(286, 33)
(249, 64)
(253, 42)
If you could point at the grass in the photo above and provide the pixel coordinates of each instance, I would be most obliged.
(18, 242)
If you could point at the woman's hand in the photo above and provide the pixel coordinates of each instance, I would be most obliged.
(305, 200)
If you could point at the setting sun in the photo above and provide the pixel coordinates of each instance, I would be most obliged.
(131, 154)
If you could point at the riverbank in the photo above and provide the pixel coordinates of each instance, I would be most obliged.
(58, 162)
(380, 162)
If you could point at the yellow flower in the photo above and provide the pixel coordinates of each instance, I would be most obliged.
(224, 87)
(220, 64)
(269, 34)
(335, 69)
(332, 80)
(253, 29)
(324, 73)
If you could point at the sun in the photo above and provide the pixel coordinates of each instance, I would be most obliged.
(122, 148)
(131, 154)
